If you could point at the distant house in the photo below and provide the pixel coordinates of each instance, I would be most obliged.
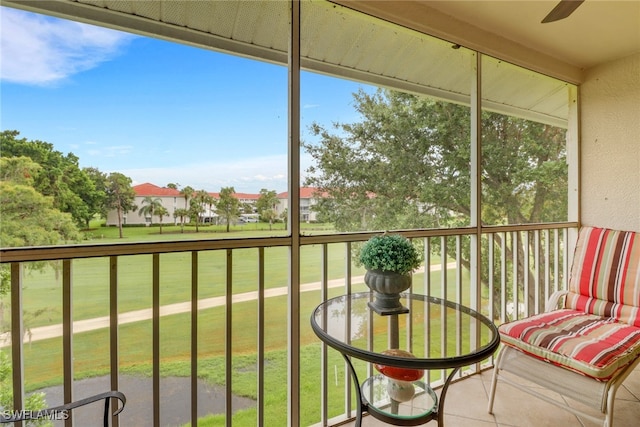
(250, 199)
(171, 199)
(244, 198)
(308, 197)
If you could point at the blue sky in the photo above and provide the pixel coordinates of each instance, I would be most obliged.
(156, 111)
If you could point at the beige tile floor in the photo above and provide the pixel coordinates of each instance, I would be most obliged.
(466, 406)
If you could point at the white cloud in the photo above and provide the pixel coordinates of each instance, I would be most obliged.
(39, 50)
(247, 175)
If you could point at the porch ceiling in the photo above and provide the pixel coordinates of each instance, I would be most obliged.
(347, 46)
(597, 32)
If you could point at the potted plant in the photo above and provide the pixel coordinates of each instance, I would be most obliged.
(389, 259)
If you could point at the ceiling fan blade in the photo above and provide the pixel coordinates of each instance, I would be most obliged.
(562, 10)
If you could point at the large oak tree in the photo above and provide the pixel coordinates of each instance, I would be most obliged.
(407, 164)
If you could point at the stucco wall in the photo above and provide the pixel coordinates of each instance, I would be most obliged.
(610, 145)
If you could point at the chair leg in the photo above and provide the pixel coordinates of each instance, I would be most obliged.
(608, 416)
(494, 381)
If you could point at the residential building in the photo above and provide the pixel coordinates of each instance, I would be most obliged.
(170, 198)
(308, 198)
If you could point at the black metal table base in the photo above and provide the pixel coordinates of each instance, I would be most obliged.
(365, 406)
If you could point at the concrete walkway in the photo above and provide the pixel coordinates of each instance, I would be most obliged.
(53, 331)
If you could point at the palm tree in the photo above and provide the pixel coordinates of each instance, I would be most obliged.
(267, 206)
(150, 206)
(187, 192)
(182, 214)
(197, 206)
(210, 201)
(228, 206)
(161, 212)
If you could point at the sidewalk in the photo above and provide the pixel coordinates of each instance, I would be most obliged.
(53, 331)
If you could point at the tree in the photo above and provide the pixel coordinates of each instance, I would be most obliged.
(196, 208)
(210, 201)
(284, 216)
(96, 200)
(228, 206)
(34, 401)
(27, 219)
(406, 165)
(150, 207)
(59, 176)
(200, 199)
(266, 205)
(187, 192)
(19, 170)
(120, 196)
(182, 214)
(161, 211)
(247, 208)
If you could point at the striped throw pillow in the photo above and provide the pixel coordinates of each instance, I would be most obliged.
(605, 275)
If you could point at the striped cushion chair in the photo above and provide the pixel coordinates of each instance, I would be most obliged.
(587, 348)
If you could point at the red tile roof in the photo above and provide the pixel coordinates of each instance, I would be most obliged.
(148, 189)
(305, 193)
(244, 196)
(247, 196)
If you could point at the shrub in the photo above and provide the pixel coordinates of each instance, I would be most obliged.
(390, 252)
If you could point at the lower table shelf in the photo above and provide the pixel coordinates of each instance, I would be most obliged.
(399, 402)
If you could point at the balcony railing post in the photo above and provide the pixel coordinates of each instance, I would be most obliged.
(228, 352)
(113, 332)
(261, 319)
(17, 334)
(194, 337)
(67, 335)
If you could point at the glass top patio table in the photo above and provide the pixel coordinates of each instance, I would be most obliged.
(440, 334)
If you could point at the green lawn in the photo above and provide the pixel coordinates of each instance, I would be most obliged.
(97, 233)
(43, 359)
(42, 300)
(90, 278)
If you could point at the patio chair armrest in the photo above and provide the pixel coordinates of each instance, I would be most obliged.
(554, 300)
(63, 409)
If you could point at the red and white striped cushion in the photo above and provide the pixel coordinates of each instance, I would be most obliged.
(586, 343)
(605, 275)
(598, 331)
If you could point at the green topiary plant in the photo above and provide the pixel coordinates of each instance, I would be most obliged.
(390, 253)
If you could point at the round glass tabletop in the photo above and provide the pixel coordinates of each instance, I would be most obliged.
(441, 334)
